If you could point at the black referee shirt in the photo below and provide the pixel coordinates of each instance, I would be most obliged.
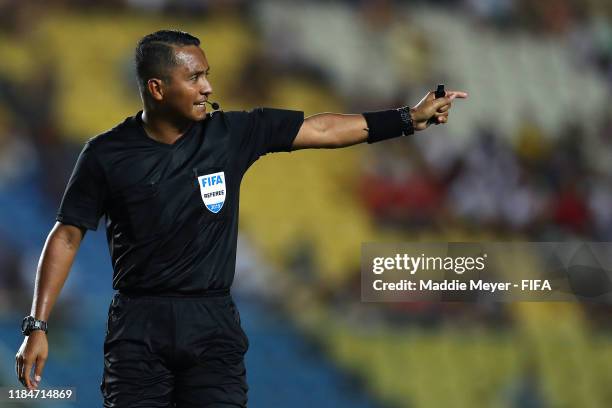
(172, 210)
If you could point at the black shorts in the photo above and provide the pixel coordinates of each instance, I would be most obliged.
(174, 352)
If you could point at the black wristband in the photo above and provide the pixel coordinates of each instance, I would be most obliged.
(383, 125)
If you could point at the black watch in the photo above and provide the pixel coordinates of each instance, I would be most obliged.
(30, 324)
(407, 123)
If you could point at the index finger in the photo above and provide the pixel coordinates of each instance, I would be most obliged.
(456, 94)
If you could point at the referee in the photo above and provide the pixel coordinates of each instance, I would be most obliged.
(168, 181)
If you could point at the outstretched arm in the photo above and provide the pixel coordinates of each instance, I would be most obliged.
(333, 130)
(55, 261)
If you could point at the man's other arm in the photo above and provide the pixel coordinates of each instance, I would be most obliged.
(54, 265)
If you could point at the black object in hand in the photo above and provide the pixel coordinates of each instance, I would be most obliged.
(440, 93)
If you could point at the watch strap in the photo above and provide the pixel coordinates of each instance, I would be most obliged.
(30, 324)
(408, 124)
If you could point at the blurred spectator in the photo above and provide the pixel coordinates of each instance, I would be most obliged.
(17, 156)
(12, 287)
(489, 176)
(401, 191)
(600, 206)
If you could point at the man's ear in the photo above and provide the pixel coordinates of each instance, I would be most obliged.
(156, 88)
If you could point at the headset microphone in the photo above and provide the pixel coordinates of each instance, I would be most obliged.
(214, 105)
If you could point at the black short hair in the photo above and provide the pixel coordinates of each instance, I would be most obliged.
(155, 54)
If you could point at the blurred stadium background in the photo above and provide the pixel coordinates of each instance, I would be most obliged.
(526, 157)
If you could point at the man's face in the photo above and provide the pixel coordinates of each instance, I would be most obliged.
(187, 86)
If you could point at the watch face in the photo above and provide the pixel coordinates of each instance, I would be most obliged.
(25, 324)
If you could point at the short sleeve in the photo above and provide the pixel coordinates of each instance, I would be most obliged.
(83, 202)
(267, 131)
